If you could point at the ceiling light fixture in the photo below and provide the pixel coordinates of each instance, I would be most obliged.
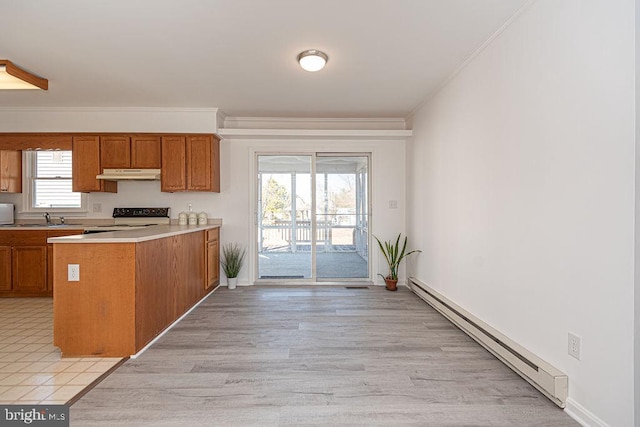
(312, 60)
(13, 77)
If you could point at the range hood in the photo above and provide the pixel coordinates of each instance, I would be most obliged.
(130, 174)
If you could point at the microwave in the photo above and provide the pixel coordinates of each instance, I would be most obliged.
(6, 213)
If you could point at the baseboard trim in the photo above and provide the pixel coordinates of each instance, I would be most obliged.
(582, 415)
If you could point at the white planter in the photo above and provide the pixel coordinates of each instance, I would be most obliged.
(232, 282)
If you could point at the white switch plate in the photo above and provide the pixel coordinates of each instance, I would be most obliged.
(73, 272)
(574, 345)
(393, 204)
(97, 207)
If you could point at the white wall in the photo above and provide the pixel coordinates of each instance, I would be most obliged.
(233, 202)
(521, 193)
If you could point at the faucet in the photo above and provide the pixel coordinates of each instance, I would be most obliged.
(47, 217)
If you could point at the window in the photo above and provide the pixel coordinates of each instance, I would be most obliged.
(49, 176)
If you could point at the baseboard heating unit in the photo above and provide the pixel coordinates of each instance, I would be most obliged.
(549, 380)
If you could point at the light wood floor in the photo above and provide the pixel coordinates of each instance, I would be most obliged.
(281, 356)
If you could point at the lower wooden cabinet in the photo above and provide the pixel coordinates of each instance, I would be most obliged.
(29, 269)
(213, 258)
(5, 269)
(26, 262)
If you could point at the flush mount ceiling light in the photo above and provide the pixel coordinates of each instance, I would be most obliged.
(12, 77)
(312, 60)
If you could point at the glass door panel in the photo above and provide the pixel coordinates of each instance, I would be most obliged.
(284, 217)
(342, 217)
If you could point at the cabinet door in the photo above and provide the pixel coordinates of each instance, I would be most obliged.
(115, 152)
(11, 171)
(199, 163)
(213, 258)
(5, 268)
(145, 152)
(29, 269)
(173, 173)
(86, 165)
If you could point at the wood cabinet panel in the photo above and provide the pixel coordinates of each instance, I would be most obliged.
(115, 152)
(190, 163)
(50, 254)
(10, 171)
(5, 269)
(29, 267)
(173, 173)
(199, 163)
(95, 316)
(213, 258)
(86, 166)
(146, 152)
(117, 311)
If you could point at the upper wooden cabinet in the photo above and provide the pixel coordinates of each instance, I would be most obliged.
(190, 163)
(115, 152)
(86, 166)
(10, 171)
(174, 155)
(136, 152)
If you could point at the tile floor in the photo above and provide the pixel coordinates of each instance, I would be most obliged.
(32, 370)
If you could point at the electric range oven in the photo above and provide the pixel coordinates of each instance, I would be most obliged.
(132, 218)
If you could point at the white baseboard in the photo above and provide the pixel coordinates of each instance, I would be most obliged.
(583, 415)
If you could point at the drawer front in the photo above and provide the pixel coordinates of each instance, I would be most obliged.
(23, 238)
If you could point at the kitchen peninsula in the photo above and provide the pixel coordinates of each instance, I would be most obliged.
(129, 286)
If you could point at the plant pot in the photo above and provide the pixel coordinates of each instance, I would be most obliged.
(232, 282)
(392, 285)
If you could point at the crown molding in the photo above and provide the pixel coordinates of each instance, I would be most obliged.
(349, 134)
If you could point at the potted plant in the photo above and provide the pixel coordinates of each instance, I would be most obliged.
(394, 255)
(232, 260)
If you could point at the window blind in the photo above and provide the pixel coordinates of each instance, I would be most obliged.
(52, 181)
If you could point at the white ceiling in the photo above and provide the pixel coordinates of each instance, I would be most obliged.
(385, 56)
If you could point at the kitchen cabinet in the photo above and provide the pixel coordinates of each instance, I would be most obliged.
(86, 166)
(11, 171)
(135, 152)
(26, 262)
(5, 269)
(115, 152)
(29, 269)
(145, 152)
(190, 163)
(213, 258)
(115, 312)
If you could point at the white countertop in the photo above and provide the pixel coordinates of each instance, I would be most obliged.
(133, 236)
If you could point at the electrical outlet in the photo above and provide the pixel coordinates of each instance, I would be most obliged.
(574, 345)
(97, 207)
(73, 272)
(393, 204)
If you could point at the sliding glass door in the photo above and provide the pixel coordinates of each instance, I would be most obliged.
(313, 217)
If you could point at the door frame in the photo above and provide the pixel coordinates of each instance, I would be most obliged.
(253, 232)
